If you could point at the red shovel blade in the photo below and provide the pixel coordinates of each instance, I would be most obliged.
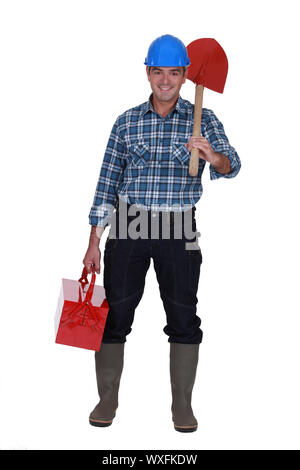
(209, 64)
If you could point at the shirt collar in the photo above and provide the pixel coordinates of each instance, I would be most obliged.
(181, 106)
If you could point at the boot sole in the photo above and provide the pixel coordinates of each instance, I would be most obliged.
(100, 424)
(186, 428)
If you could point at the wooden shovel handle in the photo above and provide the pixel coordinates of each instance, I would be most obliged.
(194, 160)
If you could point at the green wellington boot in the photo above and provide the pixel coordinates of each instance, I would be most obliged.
(183, 367)
(109, 366)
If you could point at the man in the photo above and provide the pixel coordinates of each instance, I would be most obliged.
(145, 166)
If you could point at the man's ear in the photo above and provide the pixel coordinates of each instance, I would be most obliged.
(147, 72)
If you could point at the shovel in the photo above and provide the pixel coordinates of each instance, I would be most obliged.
(209, 67)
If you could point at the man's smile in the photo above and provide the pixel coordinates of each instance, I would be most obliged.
(164, 88)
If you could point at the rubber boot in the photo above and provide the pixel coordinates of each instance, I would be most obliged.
(183, 367)
(109, 366)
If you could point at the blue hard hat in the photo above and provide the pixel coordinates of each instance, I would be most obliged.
(167, 51)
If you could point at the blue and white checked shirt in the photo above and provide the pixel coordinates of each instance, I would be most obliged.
(147, 164)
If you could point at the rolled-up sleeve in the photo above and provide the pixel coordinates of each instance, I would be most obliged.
(110, 177)
(215, 134)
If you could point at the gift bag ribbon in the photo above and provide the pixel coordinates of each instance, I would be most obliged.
(84, 313)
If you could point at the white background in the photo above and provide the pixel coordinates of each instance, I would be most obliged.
(68, 69)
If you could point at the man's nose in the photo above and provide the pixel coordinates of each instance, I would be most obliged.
(165, 80)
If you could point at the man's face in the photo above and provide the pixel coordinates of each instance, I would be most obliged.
(166, 82)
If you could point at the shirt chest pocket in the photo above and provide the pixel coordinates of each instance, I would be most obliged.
(180, 154)
(138, 155)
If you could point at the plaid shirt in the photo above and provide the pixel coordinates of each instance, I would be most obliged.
(147, 164)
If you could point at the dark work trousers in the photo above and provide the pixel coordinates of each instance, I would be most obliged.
(177, 268)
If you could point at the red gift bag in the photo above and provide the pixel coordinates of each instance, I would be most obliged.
(81, 313)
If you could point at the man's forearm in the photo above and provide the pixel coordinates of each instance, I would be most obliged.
(221, 163)
(96, 233)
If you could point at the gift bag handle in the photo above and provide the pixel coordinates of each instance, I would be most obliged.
(83, 281)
